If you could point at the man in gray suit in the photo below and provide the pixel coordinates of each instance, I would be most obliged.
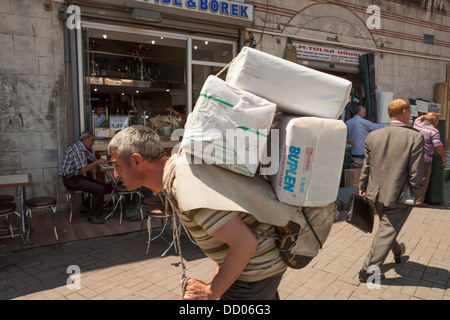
(393, 166)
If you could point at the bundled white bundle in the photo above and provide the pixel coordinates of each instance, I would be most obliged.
(294, 88)
(311, 158)
(228, 127)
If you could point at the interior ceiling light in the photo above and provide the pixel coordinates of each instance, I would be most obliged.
(105, 36)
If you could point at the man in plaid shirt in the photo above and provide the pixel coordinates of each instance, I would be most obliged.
(77, 161)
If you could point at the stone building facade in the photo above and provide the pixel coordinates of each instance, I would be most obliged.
(32, 92)
(405, 64)
(410, 41)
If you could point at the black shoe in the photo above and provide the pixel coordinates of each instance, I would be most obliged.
(96, 220)
(398, 258)
(364, 275)
(82, 209)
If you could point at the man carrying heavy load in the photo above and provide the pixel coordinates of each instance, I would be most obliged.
(249, 266)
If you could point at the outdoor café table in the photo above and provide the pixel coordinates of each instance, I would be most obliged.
(19, 181)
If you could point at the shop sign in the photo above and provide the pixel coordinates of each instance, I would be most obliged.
(425, 107)
(328, 54)
(414, 111)
(224, 8)
(434, 107)
(117, 122)
(422, 106)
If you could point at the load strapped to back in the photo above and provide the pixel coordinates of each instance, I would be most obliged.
(284, 172)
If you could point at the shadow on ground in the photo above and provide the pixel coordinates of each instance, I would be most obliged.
(44, 268)
(416, 274)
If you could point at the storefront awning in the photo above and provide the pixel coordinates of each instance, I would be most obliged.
(232, 13)
(327, 57)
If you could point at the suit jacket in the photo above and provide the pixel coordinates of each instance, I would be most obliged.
(393, 159)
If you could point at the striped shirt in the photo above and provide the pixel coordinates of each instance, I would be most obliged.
(75, 157)
(266, 261)
(431, 136)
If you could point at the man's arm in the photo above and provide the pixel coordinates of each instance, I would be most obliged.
(92, 167)
(440, 150)
(242, 244)
(418, 121)
(372, 125)
(365, 171)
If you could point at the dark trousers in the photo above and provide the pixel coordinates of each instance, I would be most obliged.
(95, 188)
(385, 240)
(266, 289)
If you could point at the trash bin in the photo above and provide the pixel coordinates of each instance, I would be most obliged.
(435, 193)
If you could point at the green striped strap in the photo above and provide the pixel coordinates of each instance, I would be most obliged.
(217, 99)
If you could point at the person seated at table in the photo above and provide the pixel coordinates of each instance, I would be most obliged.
(77, 161)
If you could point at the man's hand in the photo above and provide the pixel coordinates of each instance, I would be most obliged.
(241, 243)
(92, 167)
(197, 290)
(362, 193)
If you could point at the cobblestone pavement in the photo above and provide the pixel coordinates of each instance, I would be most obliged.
(117, 268)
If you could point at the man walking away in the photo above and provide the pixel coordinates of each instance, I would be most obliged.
(393, 162)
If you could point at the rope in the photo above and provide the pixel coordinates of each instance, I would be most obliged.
(176, 225)
(320, 243)
(225, 68)
(184, 282)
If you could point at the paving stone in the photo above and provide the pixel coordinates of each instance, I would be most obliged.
(116, 267)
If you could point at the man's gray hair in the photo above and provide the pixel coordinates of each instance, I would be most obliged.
(85, 134)
(359, 108)
(137, 139)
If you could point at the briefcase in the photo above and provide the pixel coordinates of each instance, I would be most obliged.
(361, 212)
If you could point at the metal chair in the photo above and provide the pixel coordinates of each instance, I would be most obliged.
(148, 203)
(156, 209)
(158, 213)
(40, 203)
(6, 198)
(8, 209)
(69, 193)
(121, 192)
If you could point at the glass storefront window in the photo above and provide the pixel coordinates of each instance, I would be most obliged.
(146, 77)
(212, 51)
(137, 80)
(199, 75)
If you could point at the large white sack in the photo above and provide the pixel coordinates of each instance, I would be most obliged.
(384, 98)
(228, 127)
(311, 158)
(295, 89)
